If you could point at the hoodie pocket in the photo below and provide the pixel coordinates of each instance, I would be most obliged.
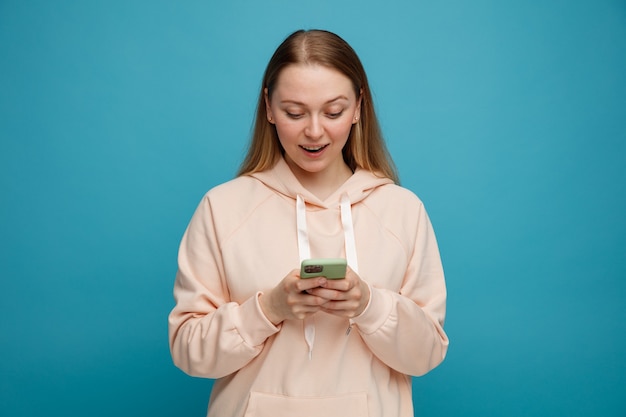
(272, 405)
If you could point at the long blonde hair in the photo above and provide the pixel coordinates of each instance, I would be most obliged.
(365, 147)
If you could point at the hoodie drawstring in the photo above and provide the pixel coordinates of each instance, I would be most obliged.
(304, 251)
(348, 232)
(350, 241)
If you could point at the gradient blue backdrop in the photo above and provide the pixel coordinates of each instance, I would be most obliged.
(508, 118)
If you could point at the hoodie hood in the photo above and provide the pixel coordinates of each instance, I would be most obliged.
(282, 180)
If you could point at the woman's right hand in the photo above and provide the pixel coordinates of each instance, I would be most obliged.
(289, 300)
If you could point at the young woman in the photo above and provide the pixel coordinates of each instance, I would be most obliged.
(317, 182)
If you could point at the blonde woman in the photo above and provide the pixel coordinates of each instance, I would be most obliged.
(317, 182)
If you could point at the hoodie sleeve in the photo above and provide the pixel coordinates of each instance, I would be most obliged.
(405, 329)
(210, 335)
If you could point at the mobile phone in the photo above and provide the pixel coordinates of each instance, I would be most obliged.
(331, 268)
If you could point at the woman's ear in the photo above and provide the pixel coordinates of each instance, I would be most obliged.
(268, 108)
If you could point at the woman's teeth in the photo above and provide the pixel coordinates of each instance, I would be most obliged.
(313, 149)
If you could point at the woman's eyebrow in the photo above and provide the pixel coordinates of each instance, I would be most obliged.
(298, 103)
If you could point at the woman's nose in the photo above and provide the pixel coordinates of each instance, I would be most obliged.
(314, 128)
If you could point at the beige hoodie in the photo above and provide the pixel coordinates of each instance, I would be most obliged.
(243, 240)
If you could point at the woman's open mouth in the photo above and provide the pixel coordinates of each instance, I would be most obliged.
(313, 149)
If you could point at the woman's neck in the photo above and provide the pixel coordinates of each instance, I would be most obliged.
(321, 184)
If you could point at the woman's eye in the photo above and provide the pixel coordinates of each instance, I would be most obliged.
(335, 115)
(293, 115)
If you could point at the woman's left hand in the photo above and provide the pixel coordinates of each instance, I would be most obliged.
(346, 297)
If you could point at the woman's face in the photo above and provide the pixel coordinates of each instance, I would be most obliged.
(313, 108)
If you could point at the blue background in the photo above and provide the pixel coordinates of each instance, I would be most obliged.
(508, 119)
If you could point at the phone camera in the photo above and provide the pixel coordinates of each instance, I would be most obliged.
(312, 269)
